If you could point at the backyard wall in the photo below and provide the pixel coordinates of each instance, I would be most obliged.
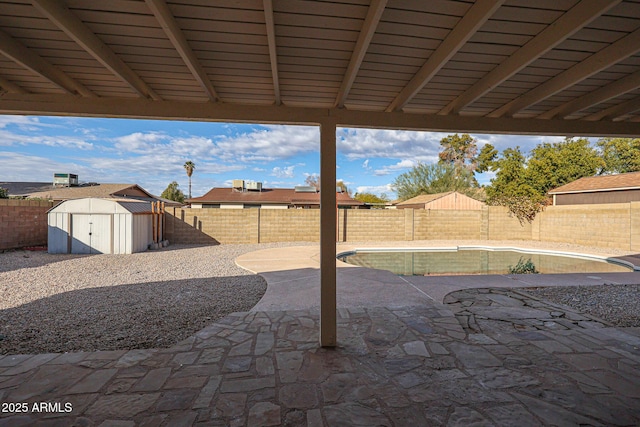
(611, 225)
(23, 223)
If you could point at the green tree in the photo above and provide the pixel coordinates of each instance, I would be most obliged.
(620, 155)
(172, 192)
(511, 188)
(4, 193)
(554, 164)
(522, 183)
(432, 179)
(189, 166)
(459, 150)
(486, 158)
(371, 198)
(510, 179)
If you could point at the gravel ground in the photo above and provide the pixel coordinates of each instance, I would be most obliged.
(617, 304)
(154, 299)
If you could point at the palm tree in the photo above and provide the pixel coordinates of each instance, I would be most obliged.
(189, 167)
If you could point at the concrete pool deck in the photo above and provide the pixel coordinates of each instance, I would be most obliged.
(293, 275)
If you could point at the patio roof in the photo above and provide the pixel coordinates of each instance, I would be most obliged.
(548, 67)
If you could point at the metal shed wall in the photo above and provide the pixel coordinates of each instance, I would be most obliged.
(126, 232)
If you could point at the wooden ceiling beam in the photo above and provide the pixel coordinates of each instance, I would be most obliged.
(141, 108)
(8, 87)
(475, 17)
(623, 48)
(27, 58)
(62, 17)
(168, 23)
(273, 54)
(362, 45)
(612, 90)
(616, 111)
(565, 26)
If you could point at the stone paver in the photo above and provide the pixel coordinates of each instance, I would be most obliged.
(485, 357)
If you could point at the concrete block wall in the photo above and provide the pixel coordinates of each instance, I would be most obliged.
(375, 224)
(501, 225)
(446, 224)
(212, 225)
(598, 225)
(611, 225)
(23, 223)
(634, 234)
(289, 225)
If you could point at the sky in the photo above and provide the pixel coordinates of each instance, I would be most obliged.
(151, 153)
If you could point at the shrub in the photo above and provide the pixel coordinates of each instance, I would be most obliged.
(523, 267)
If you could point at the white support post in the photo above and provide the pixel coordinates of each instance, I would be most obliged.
(328, 217)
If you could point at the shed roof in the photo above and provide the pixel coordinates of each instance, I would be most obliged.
(546, 66)
(623, 181)
(424, 198)
(103, 205)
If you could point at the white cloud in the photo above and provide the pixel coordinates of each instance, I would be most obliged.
(20, 121)
(139, 142)
(8, 138)
(286, 172)
(403, 164)
(368, 143)
(525, 142)
(269, 143)
(21, 167)
(376, 189)
(365, 165)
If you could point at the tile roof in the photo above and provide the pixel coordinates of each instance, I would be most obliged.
(25, 188)
(128, 191)
(621, 181)
(269, 196)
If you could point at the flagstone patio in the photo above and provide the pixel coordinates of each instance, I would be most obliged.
(452, 351)
(487, 357)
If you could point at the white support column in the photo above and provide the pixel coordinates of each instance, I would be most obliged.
(328, 327)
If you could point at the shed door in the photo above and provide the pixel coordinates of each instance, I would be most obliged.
(90, 234)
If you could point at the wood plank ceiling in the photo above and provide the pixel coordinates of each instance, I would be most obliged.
(544, 66)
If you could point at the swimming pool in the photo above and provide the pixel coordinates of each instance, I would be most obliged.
(472, 260)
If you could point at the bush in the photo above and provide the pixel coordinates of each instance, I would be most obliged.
(4, 193)
(523, 267)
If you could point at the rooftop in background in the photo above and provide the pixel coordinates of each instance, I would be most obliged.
(23, 189)
(269, 196)
(623, 181)
(41, 190)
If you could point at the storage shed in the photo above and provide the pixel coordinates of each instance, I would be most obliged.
(100, 226)
(449, 200)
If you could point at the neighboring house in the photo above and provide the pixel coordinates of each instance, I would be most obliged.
(621, 188)
(268, 198)
(23, 189)
(451, 200)
(60, 194)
